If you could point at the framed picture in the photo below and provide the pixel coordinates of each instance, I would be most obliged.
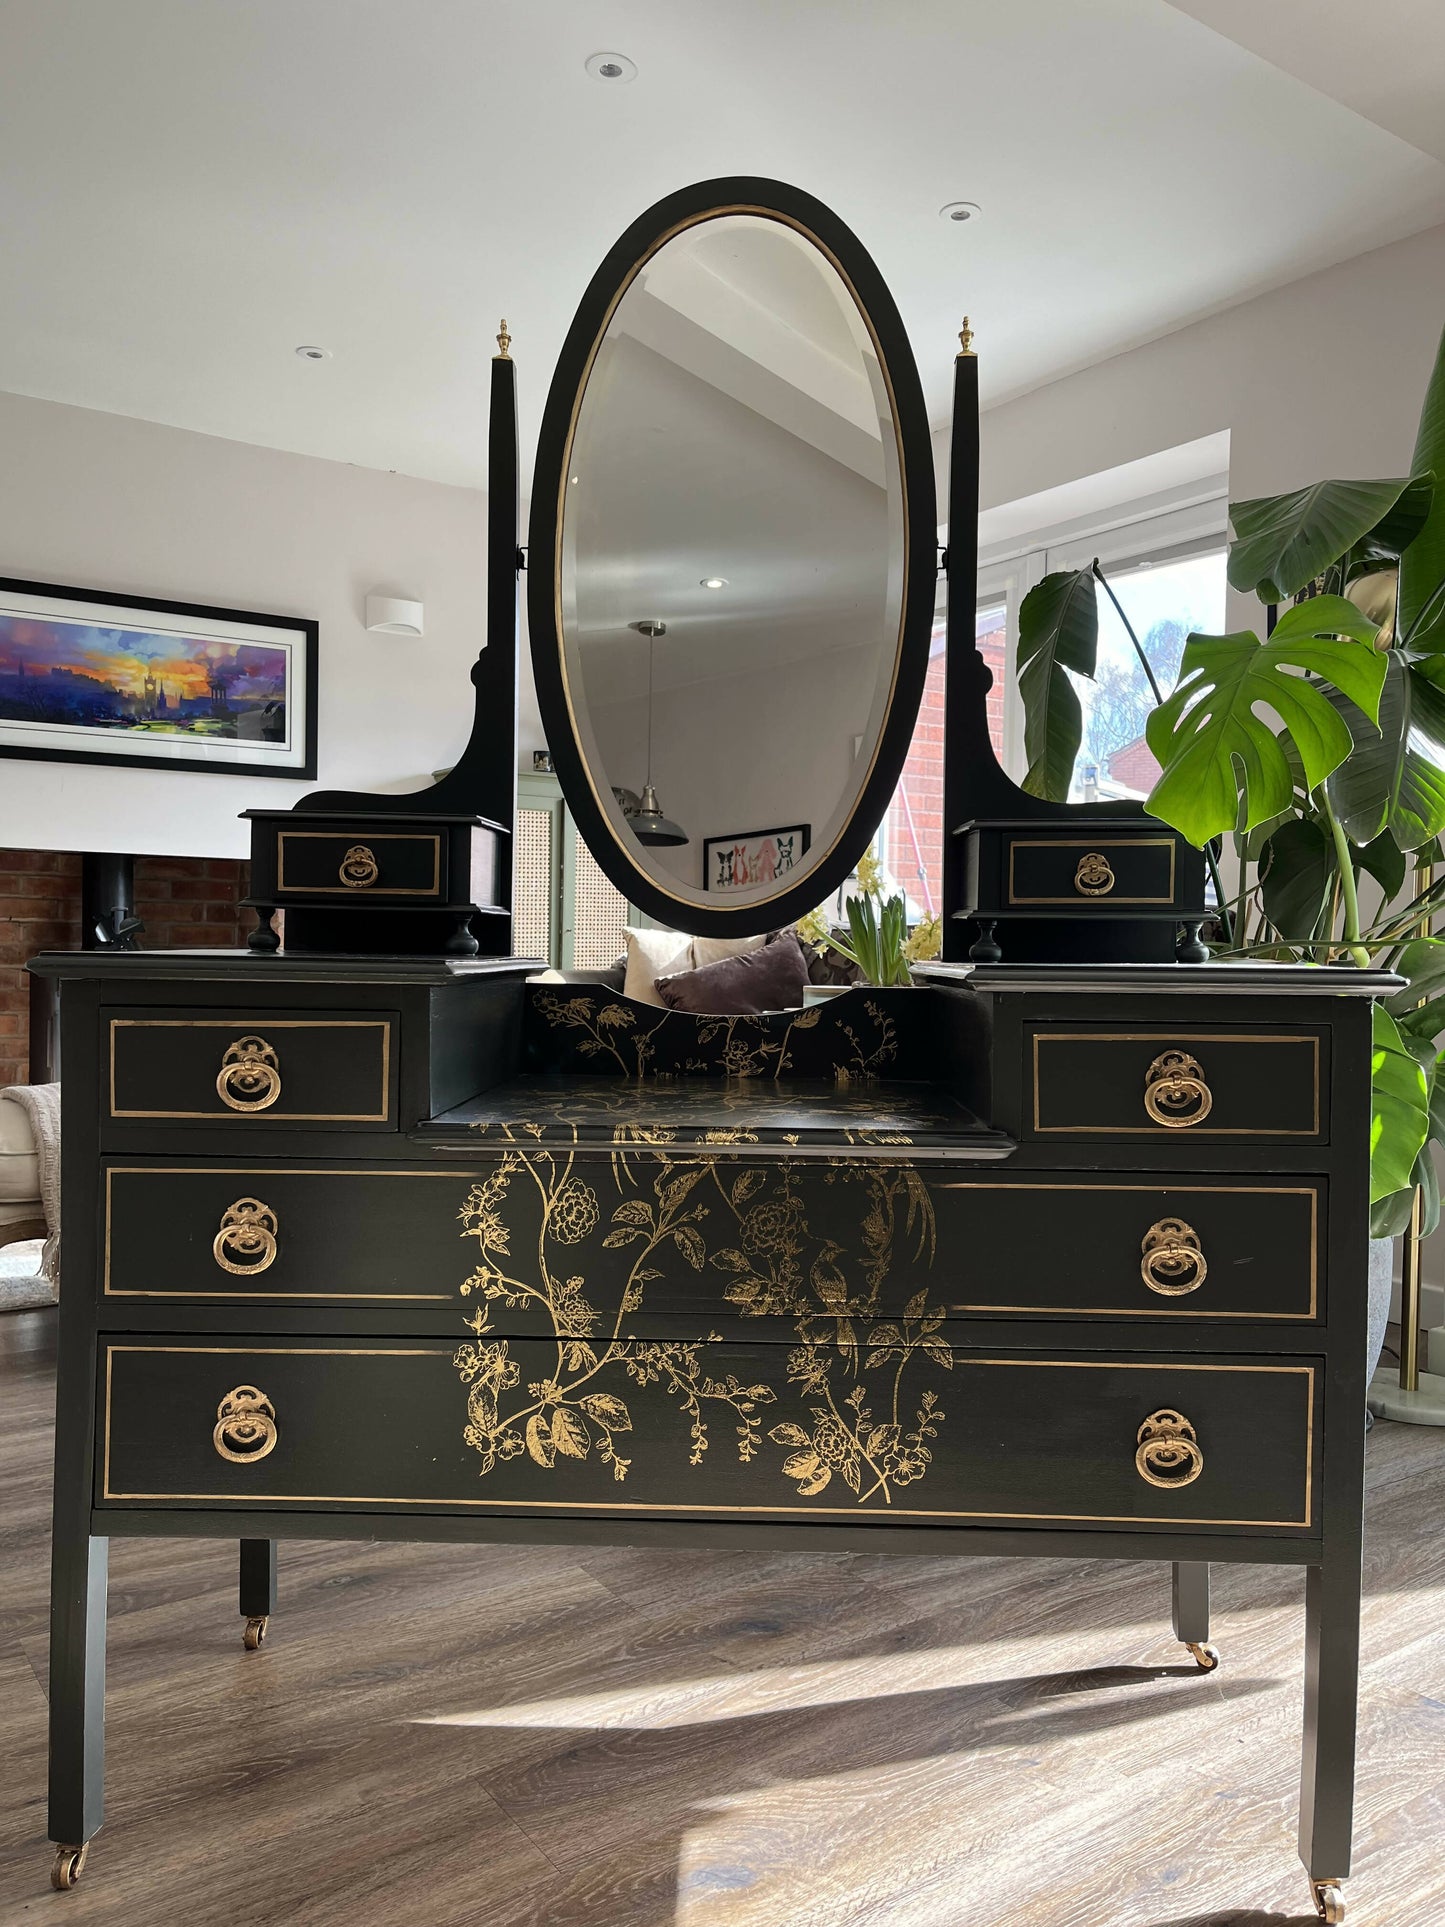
(757, 856)
(91, 678)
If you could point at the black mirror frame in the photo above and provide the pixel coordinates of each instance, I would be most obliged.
(739, 194)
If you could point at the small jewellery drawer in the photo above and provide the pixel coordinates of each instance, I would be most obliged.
(1131, 872)
(253, 1067)
(258, 1233)
(1171, 1084)
(699, 1427)
(411, 864)
(1229, 1249)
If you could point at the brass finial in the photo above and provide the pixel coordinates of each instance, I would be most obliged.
(504, 341)
(965, 338)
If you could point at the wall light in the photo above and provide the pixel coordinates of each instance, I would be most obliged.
(388, 615)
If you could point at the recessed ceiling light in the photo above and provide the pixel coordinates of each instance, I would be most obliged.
(959, 211)
(714, 582)
(575, 480)
(614, 67)
(309, 352)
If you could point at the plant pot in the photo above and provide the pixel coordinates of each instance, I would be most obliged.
(1381, 1284)
(823, 993)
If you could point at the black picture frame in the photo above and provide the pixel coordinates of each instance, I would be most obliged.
(803, 831)
(623, 866)
(305, 653)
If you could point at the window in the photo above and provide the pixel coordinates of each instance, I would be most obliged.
(1165, 601)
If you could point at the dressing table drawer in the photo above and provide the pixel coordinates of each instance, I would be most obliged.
(1234, 1248)
(1173, 1084)
(253, 1068)
(1080, 871)
(321, 863)
(711, 1428)
(264, 1232)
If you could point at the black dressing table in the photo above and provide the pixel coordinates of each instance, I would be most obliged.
(1052, 1257)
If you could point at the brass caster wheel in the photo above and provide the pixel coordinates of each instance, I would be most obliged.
(254, 1634)
(68, 1866)
(1206, 1658)
(1329, 1901)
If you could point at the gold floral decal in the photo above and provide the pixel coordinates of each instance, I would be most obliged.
(568, 1414)
(742, 1046)
(869, 1434)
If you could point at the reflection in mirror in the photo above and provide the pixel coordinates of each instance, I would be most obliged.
(732, 561)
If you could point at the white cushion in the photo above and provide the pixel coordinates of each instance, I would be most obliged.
(19, 1170)
(652, 954)
(711, 950)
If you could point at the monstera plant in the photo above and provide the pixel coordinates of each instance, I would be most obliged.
(1317, 748)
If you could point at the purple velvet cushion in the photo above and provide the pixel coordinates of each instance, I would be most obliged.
(768, 979)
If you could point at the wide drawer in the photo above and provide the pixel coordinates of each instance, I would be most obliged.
(260, 1068)
(706, 1428)
(1167, 1084)
(410, 864)
(653, 1238)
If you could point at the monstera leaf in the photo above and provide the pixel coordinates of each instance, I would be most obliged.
(1422, 569)
(1296, 869)
(1393, 780)
(1215, 749)
(1283, 542)
(1399, 1121)
(1058, 631)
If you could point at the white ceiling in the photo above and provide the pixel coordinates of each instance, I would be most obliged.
(191, 188)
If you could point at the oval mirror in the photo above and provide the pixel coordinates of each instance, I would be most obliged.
(732, 557)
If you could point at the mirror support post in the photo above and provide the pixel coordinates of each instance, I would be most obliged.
(967, 752)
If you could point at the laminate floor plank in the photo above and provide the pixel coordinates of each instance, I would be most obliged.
(473, 1736)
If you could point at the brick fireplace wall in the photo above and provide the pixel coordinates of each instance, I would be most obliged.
(186, 902)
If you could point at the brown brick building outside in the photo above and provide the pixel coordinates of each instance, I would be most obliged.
(185, 902)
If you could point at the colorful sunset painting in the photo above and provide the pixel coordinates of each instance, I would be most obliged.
(139, 681)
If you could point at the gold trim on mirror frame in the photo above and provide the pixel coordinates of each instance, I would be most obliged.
(345, 889)
(109, 1290)
(1174, 1038)
(1160, 1191)
(605, 801)
(384, 1024)
(1091, 847)
(582, 1508)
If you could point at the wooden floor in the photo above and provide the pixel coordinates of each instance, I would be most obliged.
(436, 1735)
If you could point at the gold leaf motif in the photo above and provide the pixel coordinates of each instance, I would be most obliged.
(569, 1434)
(539, 1440)
(608, 1410)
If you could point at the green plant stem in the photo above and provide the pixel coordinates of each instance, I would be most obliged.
(1426, 615)
(1345, 863)
(1158, 694)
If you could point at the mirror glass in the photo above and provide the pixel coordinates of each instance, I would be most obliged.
(732, 562)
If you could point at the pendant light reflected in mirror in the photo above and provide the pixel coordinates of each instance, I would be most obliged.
(649, 825)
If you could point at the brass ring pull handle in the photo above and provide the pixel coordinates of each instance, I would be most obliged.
(1093, 878)
(248, 1233)
(246, 1426)
(1173, 1263)
(1175, 1093)
(359, 868)
(1168, 1454)
(250, 1076)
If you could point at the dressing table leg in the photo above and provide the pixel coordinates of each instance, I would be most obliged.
(264, 938)
(77, 1699)
(1327, 1786)
(258, 1589)
(1191, 1612)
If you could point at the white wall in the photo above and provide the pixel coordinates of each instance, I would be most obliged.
(1323, 377)
(100, 501)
